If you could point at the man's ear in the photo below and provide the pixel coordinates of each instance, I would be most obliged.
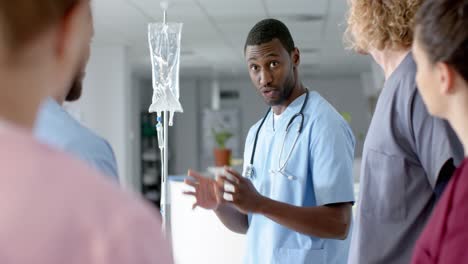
(72, 33)
(296, 57)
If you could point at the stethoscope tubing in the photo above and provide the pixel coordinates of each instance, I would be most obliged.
(300, 114)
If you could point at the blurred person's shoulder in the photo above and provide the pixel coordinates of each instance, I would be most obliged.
(57, 127)
(401, 85)
(56, 202)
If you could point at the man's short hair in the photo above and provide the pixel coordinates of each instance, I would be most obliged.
(267, 30)
(21, 21)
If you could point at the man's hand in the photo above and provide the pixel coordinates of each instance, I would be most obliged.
(245, 197)
(208, 192)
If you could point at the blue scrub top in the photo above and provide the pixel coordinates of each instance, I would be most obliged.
(321, 168)
(57, 128)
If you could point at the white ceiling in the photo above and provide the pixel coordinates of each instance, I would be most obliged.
(214, 32)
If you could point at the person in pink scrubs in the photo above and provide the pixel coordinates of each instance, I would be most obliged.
(441, 53)
(55, 209)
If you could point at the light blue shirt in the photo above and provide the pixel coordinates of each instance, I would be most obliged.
(56, 127)
(321, 170)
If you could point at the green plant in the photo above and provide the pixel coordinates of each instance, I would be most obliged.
(346, 116)
(221, 137)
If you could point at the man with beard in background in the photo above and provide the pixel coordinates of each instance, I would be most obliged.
(56, 127)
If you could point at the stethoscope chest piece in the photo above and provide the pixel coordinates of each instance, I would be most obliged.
(249, 172)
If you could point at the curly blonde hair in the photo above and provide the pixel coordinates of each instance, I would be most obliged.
(381, 24)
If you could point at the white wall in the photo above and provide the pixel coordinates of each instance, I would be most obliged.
(106, 105)
(185, 135)
(346, 95)
(251, 105)
(135, 132)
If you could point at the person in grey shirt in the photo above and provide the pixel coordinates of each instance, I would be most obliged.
(57, 128)
(407, 154)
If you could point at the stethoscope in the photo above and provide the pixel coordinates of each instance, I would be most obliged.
(250, 170)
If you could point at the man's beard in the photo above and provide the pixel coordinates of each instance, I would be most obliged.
(286, 92)
(75, 91)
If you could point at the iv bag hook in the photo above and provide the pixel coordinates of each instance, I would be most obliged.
(164, 6)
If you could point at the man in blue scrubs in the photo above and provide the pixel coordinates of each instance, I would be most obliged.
(296, 206)
(56, 127)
